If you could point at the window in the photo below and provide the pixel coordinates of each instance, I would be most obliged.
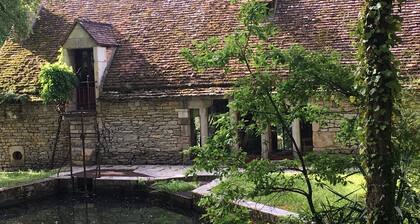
(195, 127)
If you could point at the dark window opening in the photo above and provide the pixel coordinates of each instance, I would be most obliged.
(219, 106)
(83, 66)
(306, 136)
(281, 140)
(249, 139)
(195, 127)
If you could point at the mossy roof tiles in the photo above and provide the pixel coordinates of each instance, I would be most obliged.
(101, 33)
(150, 34)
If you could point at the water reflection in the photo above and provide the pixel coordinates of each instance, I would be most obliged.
(99, 211)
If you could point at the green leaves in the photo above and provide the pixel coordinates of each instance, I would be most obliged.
(10, 97)
(57, 83)
(15, 18)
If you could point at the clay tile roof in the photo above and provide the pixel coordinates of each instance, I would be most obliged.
(102, 33)
(150, 35)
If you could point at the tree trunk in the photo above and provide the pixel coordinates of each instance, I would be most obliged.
(57, 136)
(380, 75)
(60, 108)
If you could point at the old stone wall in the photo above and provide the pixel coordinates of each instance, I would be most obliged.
(28, 132)
(324, 136)
(141, 132)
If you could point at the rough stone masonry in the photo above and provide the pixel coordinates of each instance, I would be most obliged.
(27, 133)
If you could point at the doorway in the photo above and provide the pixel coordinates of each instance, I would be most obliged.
(83, 66)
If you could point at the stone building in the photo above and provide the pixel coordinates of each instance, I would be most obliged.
(141, 101)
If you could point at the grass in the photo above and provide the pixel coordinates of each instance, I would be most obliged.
(175, 186)
(8, 179)
(297, 203)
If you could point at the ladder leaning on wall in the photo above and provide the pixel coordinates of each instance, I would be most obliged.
(83, 126)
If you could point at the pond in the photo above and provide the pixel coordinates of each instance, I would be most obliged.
(101, 210)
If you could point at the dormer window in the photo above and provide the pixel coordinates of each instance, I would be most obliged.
(88, 49)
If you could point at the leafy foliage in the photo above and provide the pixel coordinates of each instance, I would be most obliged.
(314, 80)
(263, 93)
(260, 179)
(15, 18)
(406, 141)
(10, 97)
(220, 208)
(175, 186)
(379, 88)
(57, 83)
(217, 155)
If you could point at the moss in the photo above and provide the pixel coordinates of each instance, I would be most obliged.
(13, 98)
(19, 69)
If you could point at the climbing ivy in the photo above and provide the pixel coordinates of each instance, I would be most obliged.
(10, 97)
(379, 88)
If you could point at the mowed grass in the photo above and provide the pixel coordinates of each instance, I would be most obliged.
(175, 185)
(297, 203)
(8, 179)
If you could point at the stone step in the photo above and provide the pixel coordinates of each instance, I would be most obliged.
(87, 132)
(78, 144)
(86, 127)
(91, 137)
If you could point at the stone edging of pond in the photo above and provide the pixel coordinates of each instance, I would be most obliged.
(10, 196)
(258, 211)
(13, 195)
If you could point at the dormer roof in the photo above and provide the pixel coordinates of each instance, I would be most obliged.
(101, 33)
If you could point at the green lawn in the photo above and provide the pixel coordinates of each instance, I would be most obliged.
(297, 203)
(175, 185)
(8, 179)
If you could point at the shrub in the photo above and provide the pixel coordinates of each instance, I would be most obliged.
(57, 83)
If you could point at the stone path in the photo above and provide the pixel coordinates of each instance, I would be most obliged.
(261, 208)
(154, 172)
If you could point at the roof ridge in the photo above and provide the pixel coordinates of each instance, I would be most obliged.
(87, 20)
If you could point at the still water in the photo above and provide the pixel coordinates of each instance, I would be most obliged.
(69, 210)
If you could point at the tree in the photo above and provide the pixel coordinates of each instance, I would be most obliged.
(313, 77)
(15, 17)
(270, 99)
(378, 71)
(57, 82)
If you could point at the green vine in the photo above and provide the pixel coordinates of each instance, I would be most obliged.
(379, 88)
(13, 98)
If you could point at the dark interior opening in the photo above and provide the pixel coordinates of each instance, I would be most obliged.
(195, 127)
(17, 155)
(219, 106)
(306, 136)
(281, 141)
(249, 139)
(83, 66)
